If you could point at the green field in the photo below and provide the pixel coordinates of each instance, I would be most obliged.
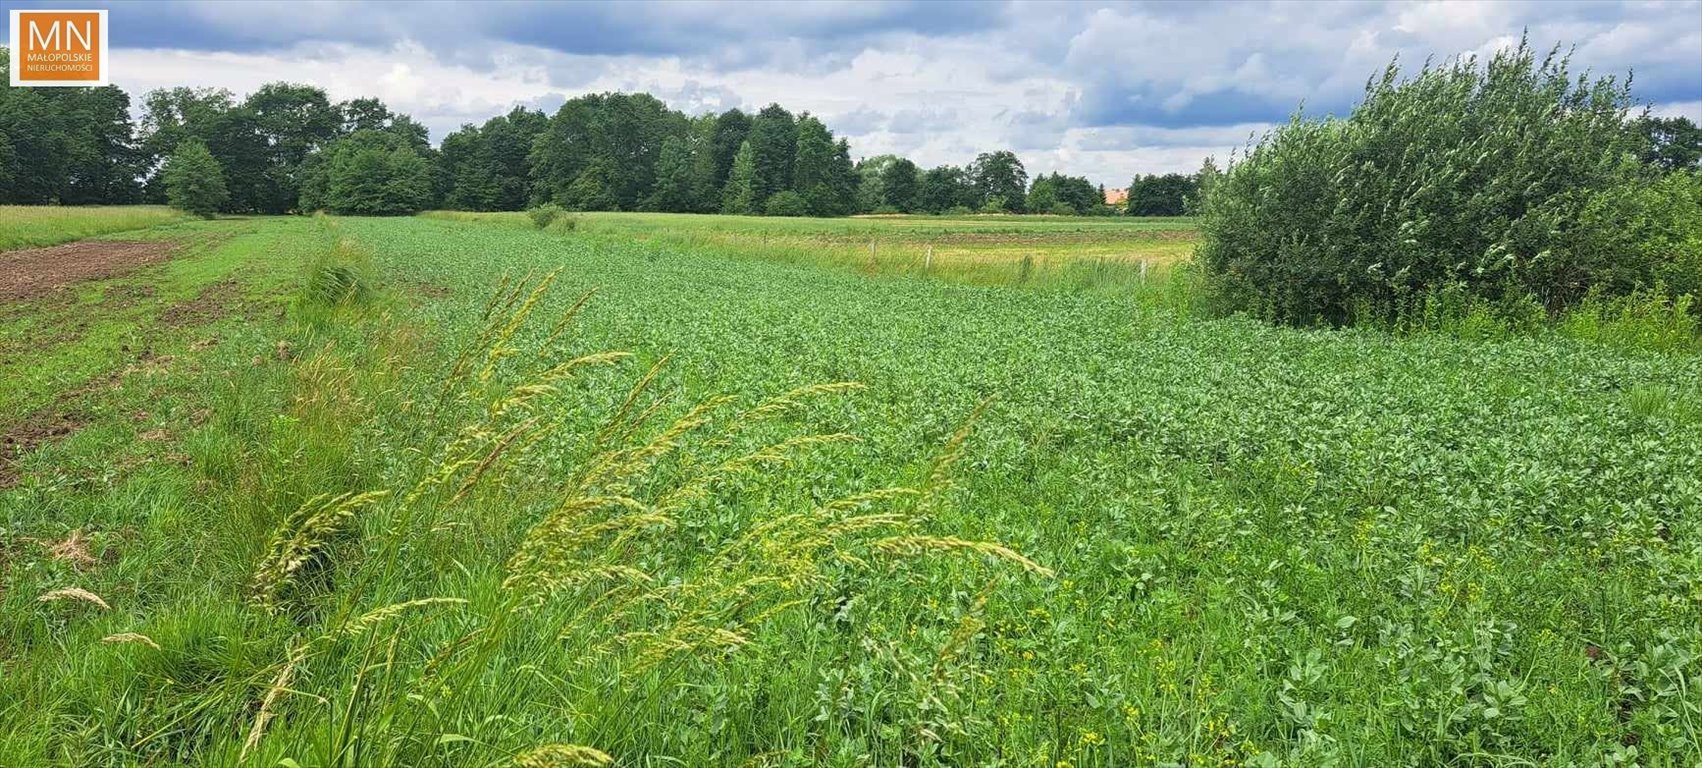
(23, 226)
(1075, 251)
(1051, 527)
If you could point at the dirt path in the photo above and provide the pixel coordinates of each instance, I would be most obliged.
(35, 272)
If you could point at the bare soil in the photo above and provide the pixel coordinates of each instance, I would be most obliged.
(35, 272)
(41, 428)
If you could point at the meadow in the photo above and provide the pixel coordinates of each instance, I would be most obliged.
(23, 226)
(714, 491)
(1077, 251)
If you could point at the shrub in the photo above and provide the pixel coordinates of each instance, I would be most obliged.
(1511, 177)
(787, 203)
(543, 215)
(194, 182)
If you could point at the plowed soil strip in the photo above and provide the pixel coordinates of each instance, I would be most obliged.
(36, 272)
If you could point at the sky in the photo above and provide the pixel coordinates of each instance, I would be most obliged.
(1102, 90)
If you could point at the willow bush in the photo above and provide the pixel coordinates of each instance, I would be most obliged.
(1513, 181)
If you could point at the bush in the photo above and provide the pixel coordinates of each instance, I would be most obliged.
(787, 203)
(194, 182)
(543, 215)
(1514, 177)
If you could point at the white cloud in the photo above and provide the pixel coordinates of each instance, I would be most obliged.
(1103, 92)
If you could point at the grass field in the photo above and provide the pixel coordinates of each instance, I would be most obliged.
(30, 226)
(369, 492)
(990, 250)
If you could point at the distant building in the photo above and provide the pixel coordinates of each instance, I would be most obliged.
(1116, 196)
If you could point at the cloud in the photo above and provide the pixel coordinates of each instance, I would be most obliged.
(1101, 90)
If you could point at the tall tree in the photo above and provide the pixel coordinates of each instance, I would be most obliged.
(871, 193)
(1669, 143)
(813, 168)
(66, 145)
(1165, 195)
(293, 121)
(1000, 181)
(486, 168)
(730, 130)
(737, 197)
(675, 184)
(942, 189)
(774, 145)
(898, 185)
(369, 172)
(600, 151)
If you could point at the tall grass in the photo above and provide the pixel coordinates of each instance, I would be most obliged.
(29, 226)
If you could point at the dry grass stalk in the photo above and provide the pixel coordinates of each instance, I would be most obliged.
(74, 593)
(299, 539)
(131, 637)
(563, 756)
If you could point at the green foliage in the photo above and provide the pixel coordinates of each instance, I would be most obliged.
(1166, 195)
(774, 147)
(787, 203)
(485, 167)
(1670, 143)
(544, 215)
(71, 146)
(726, 137)
(600, 151)
(898, 186)
(676, 182)
(1646, 319)
(945, 189)
(1000, 182)
(738, 197)
(368, 173)
(1512, 177)
(1064, 195)
(194, 182)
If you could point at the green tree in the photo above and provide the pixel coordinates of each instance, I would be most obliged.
(944, 188)
(737, 197)
(774, 146)
(1165, 195)
(291, 121)
(368, 173)
(728, 134)
(618, 135)
(871, 194)
(675, 183)
(1669, 143)
(1000, 180)
(66, 145)
(814, 173)
(898, 185)
(193, 180)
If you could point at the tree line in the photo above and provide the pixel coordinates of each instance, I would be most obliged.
(288, 147)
